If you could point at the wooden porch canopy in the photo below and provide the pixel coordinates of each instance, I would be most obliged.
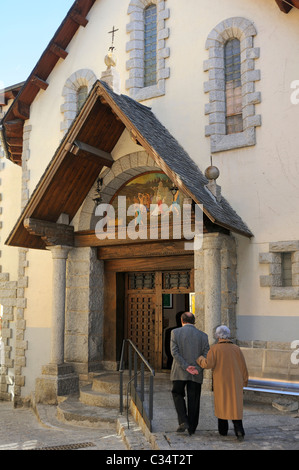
(87, 148)
(19, 112)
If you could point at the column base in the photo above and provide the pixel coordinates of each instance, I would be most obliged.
(56, 381)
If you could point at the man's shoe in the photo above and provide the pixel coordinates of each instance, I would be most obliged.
(240, 437)
(182, 427)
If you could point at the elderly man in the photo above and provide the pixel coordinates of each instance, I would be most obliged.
(187, 344)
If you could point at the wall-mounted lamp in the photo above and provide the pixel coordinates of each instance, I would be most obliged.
(98, 196)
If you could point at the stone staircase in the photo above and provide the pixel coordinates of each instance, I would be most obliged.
(98, 404)
(104, 390)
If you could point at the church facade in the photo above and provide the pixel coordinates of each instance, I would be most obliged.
(149, 166)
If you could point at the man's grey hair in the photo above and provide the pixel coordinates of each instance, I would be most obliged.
(222, 332)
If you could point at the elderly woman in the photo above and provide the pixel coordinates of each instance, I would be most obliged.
(230, 375)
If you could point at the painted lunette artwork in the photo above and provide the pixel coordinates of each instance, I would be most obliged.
(152, 193)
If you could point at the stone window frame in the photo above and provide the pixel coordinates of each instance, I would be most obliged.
(245, 31)
(274, 280)
(69, 109)
(135, 49)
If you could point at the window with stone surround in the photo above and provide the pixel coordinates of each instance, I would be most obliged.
(231, 85)
(233, 89)
(81, 96)
(283, 277)
(147, 49)
(286, 269)
(150, 45)
(74, 92)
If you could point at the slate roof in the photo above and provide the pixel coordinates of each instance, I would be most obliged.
(160, 144)
(178, 161)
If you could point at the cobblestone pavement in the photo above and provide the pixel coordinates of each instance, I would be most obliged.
(21, 430)
(266, 429)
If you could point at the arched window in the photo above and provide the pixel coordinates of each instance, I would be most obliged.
(81, 96)
(147, 56)
(150, 45)
(75, 91)
(233, 87)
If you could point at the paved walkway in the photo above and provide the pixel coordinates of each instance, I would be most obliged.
(266, 429)
(21, 430)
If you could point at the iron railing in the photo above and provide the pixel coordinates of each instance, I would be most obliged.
(273, 386)
(141, 390)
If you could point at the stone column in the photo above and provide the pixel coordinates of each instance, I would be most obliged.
(59, 256)
(212, 291)
(58, 378)
(212, 282)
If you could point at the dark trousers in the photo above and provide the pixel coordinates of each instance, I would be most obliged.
(187, 413)
(223, 427)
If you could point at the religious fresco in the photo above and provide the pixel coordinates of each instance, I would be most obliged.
(151, 193)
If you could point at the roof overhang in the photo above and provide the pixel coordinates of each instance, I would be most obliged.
(13, 122)
(19, 111)
(87, 148)
(286, 5)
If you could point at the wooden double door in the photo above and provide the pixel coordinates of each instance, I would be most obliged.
(151, 309)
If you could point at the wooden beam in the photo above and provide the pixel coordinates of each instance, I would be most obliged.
(81, 146)
(151, 264)
(78, 18)
(283, 6)
(15, 142)
(39, 82)
(141, 250)
(50, 232)
(89, 238)
(14, 128)
(58, 51)
(22, 110)
(16, 150)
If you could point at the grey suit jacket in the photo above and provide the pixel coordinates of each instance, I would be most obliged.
(187, 344)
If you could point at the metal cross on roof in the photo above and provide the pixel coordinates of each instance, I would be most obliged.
(113, 34)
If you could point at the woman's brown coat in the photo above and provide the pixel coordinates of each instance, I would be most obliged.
(230, 375)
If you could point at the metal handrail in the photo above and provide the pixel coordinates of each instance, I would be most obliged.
(273, 386)
(137, 396)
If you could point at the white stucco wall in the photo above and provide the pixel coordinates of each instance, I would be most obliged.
(260, 182)
(11, 176)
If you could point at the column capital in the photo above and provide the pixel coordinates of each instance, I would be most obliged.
(212, 241)
(59, 251)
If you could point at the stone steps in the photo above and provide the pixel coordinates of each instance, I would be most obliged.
(98, 404)
(74, 411)
(104, 390)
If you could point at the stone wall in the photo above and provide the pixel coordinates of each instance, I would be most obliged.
(13, 300)
(84, 311)
(270, 360)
